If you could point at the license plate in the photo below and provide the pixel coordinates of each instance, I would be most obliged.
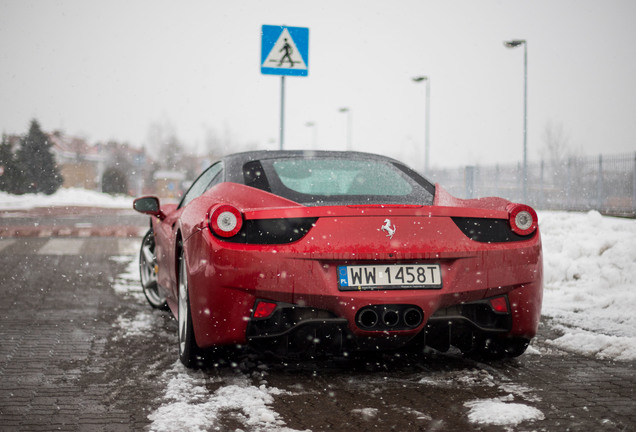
(394, 276)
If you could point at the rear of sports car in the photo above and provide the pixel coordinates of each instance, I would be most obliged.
(289, 277)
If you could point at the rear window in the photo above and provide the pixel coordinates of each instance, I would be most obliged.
(341, 177)
(323, 181)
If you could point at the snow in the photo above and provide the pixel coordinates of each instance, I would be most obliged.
(142, 324)
(367, 414)
(501, 413)
(590, 281)
(189, 406)
(64, 197)
(126, 284)
(509, 409)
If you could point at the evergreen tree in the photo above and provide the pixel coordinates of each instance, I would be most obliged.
(114, 181)
(38, 171)
(7, 166)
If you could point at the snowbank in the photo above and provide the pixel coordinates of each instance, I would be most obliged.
(190, 406)
(590, 282)
(64, 197)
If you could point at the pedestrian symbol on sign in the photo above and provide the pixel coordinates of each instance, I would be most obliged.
(288, 50)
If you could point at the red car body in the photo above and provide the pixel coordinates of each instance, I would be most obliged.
(484, 274)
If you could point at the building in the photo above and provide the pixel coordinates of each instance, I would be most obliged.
(81, 165)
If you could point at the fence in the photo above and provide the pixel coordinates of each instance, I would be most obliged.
(603, 183)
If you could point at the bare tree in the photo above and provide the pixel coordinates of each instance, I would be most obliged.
(557, 144)
(163, 142)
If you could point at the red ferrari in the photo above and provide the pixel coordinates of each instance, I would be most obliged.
(306, 252)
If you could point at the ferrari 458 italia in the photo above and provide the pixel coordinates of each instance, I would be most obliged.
(305, 252)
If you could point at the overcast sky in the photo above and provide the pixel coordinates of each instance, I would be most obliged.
(109, 69)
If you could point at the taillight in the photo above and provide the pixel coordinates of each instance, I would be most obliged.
(264, 309)
(523, 219)
(499, 304)
(225, 220)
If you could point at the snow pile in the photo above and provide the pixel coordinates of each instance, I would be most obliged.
(500, 412)
(190, 406)
(64, 197)
(590, 282)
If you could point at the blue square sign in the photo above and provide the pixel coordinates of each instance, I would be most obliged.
(285, 50)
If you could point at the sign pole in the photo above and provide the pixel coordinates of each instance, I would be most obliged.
(282, 111)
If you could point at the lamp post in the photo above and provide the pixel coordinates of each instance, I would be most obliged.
(349, 122)
(514, 44)
(428, 108)
(315, 133)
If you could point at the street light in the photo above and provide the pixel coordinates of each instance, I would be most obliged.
(315, 133)
(349, 122)
(428, 107)
(514, 44)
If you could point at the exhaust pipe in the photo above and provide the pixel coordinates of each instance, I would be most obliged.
(390, 318)
(413, 317)
(368, 318)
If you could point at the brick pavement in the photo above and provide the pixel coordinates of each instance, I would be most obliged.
(60, 365)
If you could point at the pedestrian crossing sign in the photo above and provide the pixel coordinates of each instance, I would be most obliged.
(284, 50)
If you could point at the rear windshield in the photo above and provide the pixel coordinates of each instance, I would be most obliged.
(320, 181)
(341, 177)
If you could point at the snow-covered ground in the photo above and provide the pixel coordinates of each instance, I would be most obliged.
(64, 197)
(590, 296)
(590, 282)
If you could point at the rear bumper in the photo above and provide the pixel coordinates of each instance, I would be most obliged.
(296, 330)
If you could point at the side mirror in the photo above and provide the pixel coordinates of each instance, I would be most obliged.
(149, 205)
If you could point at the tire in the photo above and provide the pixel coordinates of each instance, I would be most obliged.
(188, 349)
(148, 272)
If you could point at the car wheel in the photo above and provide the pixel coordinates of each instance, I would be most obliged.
(148, 272)
(188, 348)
